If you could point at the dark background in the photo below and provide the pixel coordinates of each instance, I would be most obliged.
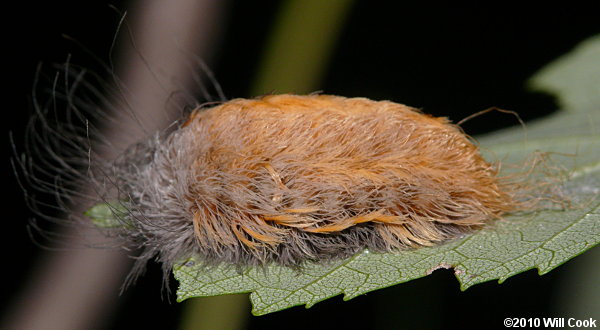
(448, 60)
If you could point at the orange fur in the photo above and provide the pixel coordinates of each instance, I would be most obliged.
(273, 167)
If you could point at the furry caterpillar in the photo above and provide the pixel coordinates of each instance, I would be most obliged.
(288, 178)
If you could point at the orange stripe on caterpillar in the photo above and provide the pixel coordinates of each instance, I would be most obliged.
(376, 216)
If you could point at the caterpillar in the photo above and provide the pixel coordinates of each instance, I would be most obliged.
(291, 178)
(285, 179)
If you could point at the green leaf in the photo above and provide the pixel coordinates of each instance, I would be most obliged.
(513, 245)
(575, 77)
(107, 215)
